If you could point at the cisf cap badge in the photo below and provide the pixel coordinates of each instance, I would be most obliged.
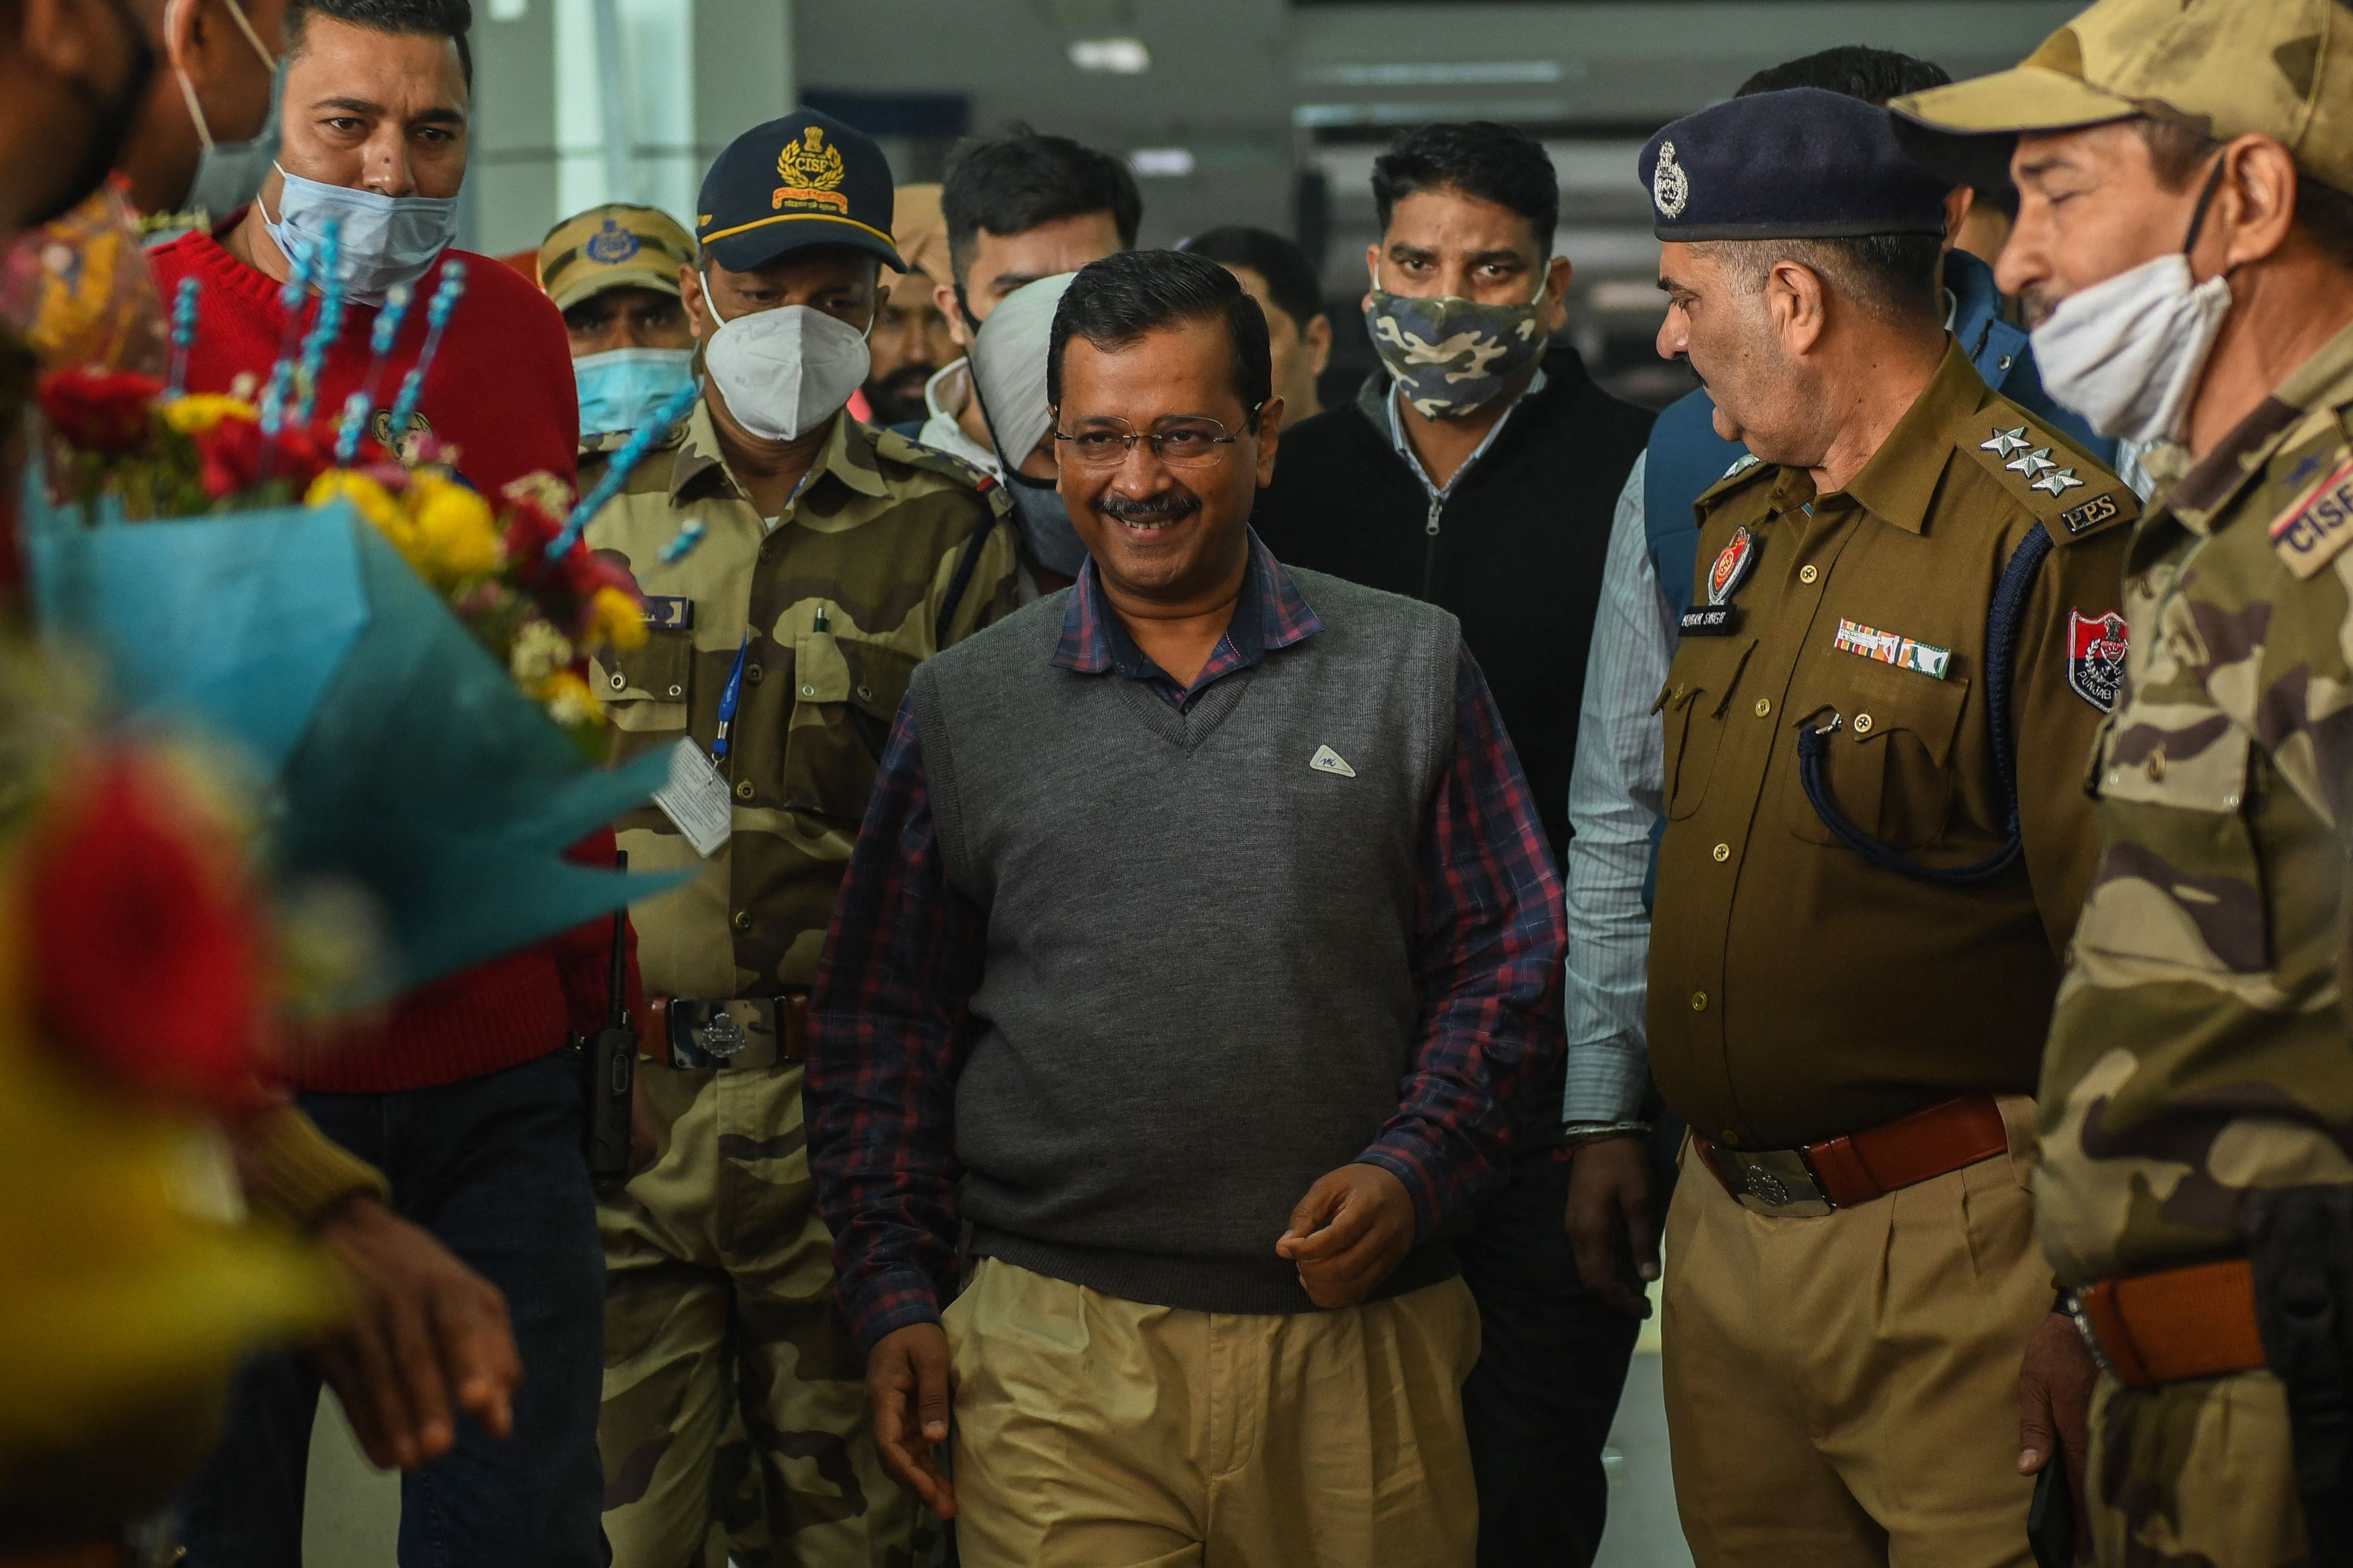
(810, 170)
(1670, 186)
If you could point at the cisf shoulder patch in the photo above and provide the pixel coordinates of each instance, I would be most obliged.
(2308, 535)
(2095, 658)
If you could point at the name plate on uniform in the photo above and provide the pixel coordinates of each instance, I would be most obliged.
(1709, 621)
(669, 613)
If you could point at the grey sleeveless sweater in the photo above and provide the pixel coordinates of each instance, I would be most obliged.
(1199, 990)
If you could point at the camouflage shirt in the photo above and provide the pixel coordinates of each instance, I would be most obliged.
(2197, 1052)
(840, 599)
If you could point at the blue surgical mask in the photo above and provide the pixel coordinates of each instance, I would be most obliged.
(624, 388)
(382, 240)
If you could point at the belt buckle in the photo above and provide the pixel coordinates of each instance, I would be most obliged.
(1773, 1182)
(718, 1033)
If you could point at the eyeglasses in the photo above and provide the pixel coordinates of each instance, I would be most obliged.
(1179, 443)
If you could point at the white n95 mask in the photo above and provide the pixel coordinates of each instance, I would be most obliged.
(2127, 352)
(784, 373)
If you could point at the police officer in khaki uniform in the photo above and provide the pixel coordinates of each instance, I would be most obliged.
(613, 270)
(2185, 240)
(1876, 843)
(798, 565)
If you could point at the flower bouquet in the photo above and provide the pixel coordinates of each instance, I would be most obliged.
(404, 657)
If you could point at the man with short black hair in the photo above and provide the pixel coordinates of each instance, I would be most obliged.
(1207, 1177)
(1476, 471)
(464, 1096)
(1018, 208)
(1279, 275)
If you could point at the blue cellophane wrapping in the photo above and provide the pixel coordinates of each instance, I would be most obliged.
(407, 762)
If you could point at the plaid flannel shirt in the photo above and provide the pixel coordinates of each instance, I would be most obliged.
(891, 1025)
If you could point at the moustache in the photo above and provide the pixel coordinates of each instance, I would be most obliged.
(1161, 510)
(908, 378)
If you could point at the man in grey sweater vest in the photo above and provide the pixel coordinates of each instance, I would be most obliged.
(1201, 956)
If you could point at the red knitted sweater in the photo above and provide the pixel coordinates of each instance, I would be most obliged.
(501, 391)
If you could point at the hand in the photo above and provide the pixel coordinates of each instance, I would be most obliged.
(1610, 1224)
(425, 1332)
(2055, 1408)
(908, 1392)
(1348, 1234)
(645, 1130)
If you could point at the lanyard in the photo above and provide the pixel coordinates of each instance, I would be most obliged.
(729, 696)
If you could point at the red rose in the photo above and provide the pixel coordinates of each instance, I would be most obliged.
(145, 941)
(100, 411)
(229, 457)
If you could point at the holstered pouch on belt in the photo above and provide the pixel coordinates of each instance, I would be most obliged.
(2300, 1245)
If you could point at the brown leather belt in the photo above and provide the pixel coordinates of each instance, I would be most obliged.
(1856, 1167)
(734, 1034)
(2174, 1326)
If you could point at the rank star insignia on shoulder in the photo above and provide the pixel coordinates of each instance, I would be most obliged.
(2033, 463)
(2007, 443)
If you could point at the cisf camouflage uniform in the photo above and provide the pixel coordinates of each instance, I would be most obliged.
(2199, 1054)
(720, 1314)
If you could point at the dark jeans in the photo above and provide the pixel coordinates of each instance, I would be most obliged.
(493, 1167)
(1552, 1365)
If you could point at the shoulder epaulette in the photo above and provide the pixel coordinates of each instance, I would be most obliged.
(1743, 471)
(2066, 489)
(891, 446)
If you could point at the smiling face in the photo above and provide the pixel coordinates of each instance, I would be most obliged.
(2090, 206)
(373, 112)
(1160, 534)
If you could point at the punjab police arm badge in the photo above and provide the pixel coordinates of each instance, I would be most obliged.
(811, 171)
(1670, 186)
(2096, 657)
(1733, 564)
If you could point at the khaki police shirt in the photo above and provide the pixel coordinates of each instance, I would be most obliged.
(841, 600)
(2200, 1052)
(1799, 992)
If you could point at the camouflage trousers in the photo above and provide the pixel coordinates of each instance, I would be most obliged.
(2194, 1475)
(735, 1413)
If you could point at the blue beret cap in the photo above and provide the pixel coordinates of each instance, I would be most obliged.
(807, 179)
(1799, 164)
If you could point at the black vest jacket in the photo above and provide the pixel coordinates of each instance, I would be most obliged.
(1516, 552)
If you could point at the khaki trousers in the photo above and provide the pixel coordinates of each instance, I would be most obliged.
(1844, 1390)
(1092, 1432)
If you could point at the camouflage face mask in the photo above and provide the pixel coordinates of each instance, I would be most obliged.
(1452, 355)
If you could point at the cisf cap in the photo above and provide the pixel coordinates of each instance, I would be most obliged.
(616, 245)
(807, 179)
(1802, 163)
(2282, 69)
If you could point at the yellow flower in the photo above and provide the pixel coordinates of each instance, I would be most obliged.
(373, 501)
(456, 539)
(617, 618)
(197, 412)
(569, 702)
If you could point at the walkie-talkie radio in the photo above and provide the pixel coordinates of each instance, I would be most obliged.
(609, 1068)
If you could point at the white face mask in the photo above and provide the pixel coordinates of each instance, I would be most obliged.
(785, 371)
(380, 240)
(2127, 353)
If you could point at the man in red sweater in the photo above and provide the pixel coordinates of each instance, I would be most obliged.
(464, 1096)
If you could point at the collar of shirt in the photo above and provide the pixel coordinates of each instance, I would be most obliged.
(1900, 480)
(1405, 448)
(1270, 614)
(846, 459)
(2324, 381)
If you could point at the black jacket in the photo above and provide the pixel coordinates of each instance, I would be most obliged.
(1515, 552)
